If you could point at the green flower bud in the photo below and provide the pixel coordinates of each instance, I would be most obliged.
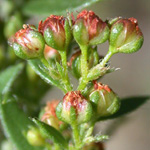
(56, 31)
(75, 61)
(75, 64)
(89, 29)
(74, 108)
(28, 43)
(14, 24)
(125, 36)
(104, 101)
(34, 137)
(49, 115)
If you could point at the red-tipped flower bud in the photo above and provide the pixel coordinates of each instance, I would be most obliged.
(56, 31)
(125, 36)
(74, 108)
(51, 55)
(104, 101)
(49, 115)
(90, 29)
(28, 43)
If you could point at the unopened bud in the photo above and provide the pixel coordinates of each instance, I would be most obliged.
(34, 137)
(49, 115)
(125, 36)
(74, 108)
(56, 31)
(89, 29)
(75, 64)
(51, 55)
(28, 43)
(104, 101)
(75, 61)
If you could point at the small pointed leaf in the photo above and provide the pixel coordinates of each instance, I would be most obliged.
(38, 67)
(51, 133)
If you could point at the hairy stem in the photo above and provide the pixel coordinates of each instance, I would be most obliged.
(84, 67)
(66, 80)
(106, 59)
(76, 137)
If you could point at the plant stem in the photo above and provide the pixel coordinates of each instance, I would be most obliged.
(56, 83)
(106, 59)
(76, 137)
(65, 67)
(84, 67)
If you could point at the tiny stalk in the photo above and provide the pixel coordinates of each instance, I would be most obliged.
(84, 67)
(106, 58)
(65, 69)
(76, 137)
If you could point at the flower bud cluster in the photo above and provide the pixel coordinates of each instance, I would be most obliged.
(53, 38)
(87, 29)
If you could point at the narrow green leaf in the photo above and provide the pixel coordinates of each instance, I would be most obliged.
(60, 69)
(51, 133)
(128, 105)
(8, 76)
(15, 123)
(57, 7)
(38, 67)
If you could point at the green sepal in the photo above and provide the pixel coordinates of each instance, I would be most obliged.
(18, 49)
(68, 33)
(114, 34)
(49, 39)
(80, 33)
(101, 38)
(71, 116)
(111, 21)
(76, 67)
(104, 103)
